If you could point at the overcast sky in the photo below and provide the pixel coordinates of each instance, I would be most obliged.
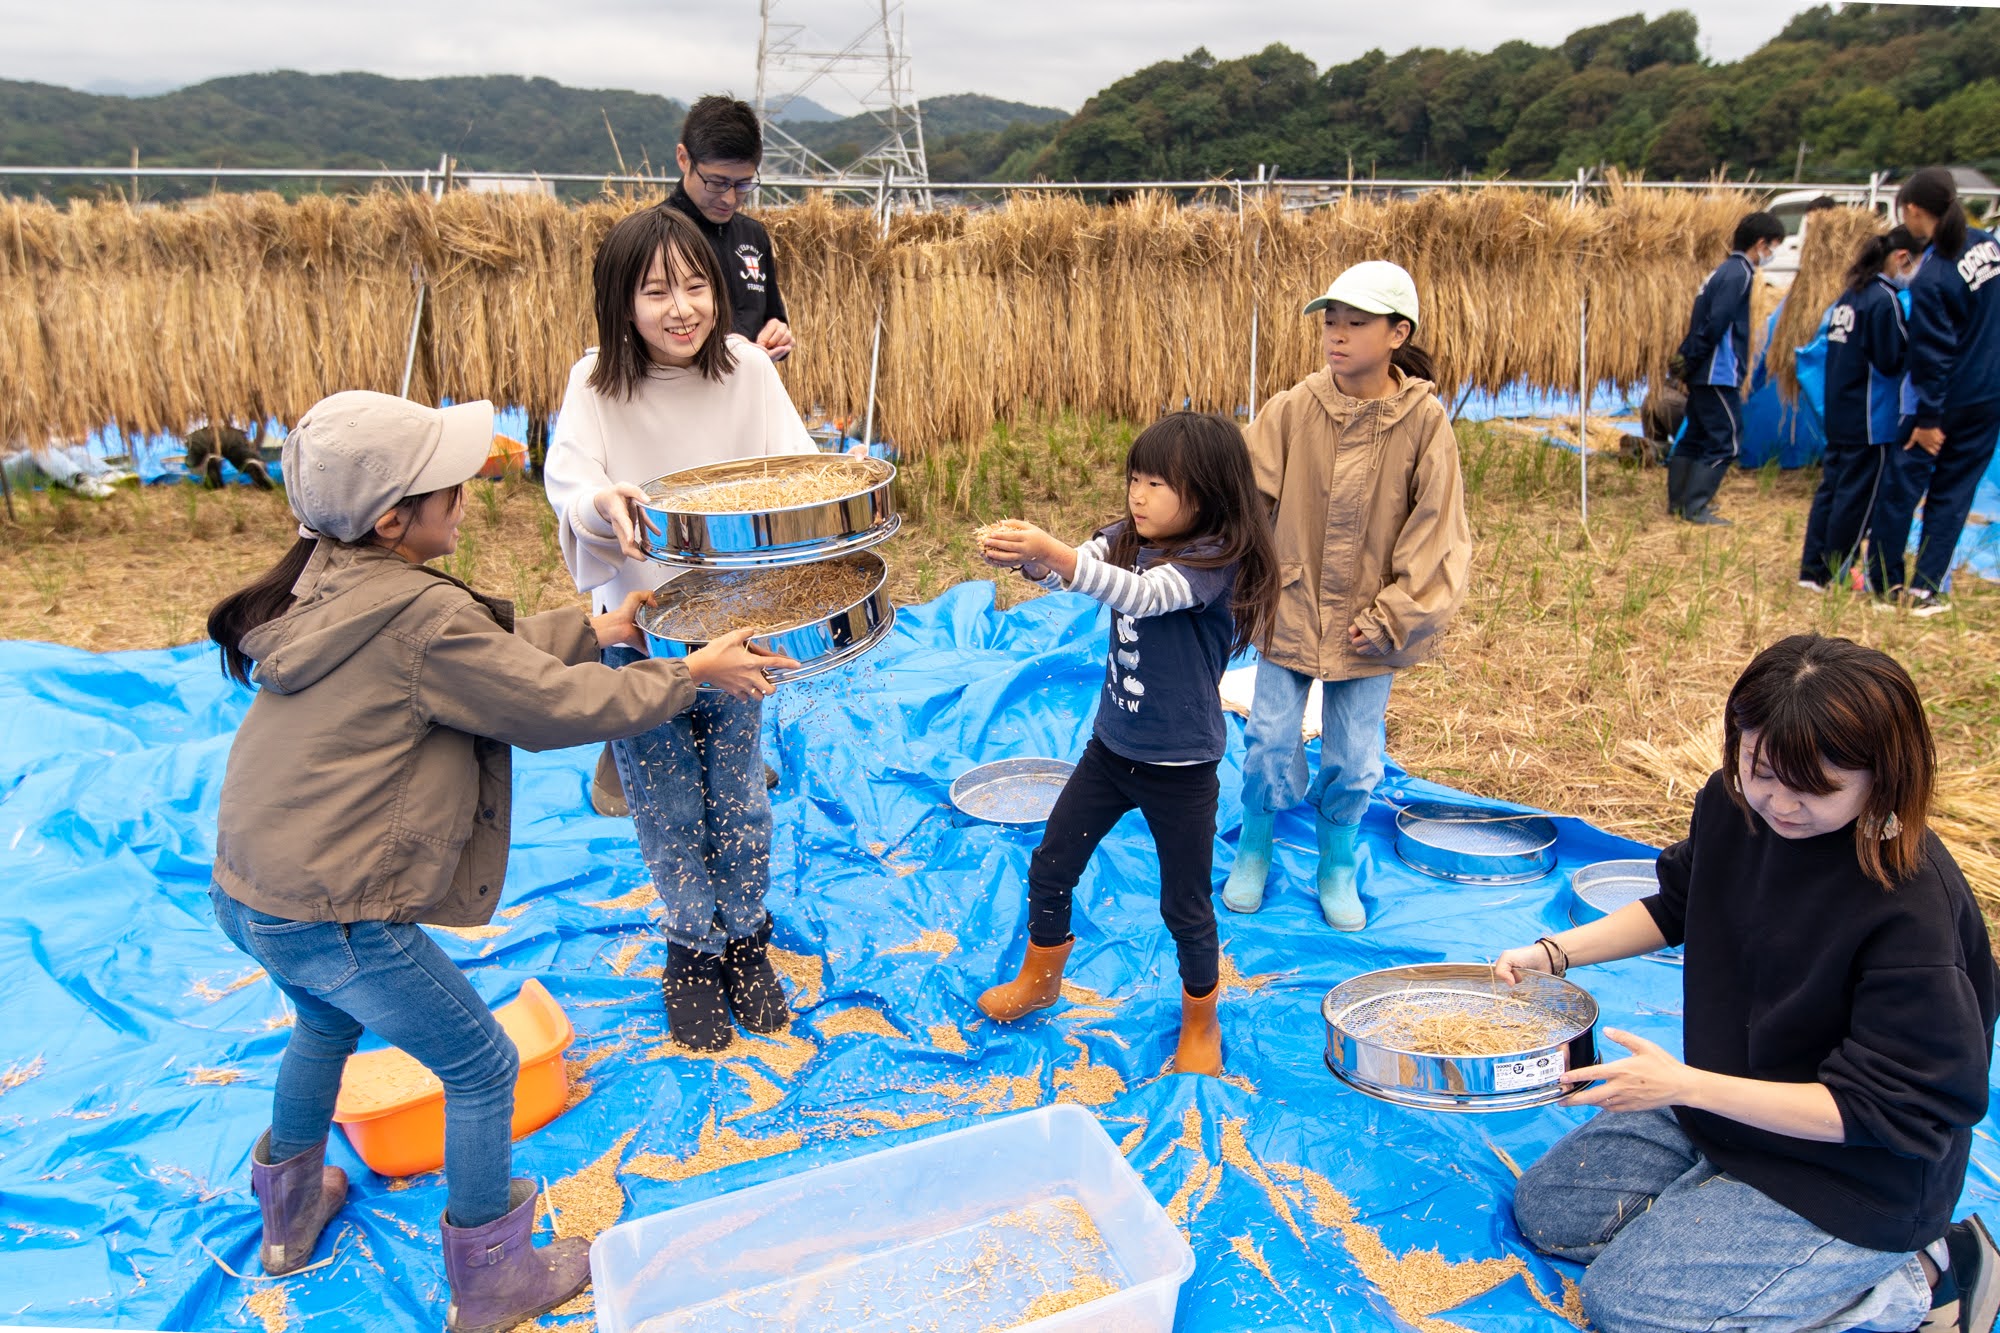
(1048, 52)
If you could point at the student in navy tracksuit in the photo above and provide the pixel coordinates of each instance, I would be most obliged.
(1865, 342)
(1717, 355)
(1954, 365)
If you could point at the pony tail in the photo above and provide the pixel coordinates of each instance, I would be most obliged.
(258, 603)
(1949, 238)
(1868, 261)
(1415, 362)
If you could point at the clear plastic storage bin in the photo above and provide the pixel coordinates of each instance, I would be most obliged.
(1032, 1221)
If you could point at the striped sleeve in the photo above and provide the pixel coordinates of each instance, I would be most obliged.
(1159, 590)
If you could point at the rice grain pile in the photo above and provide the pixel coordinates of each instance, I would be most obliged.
(591, 1200)
(779, 483)
(767, 600)
(1496, 1025)
(379, 1078)
(714, 1148)
(271, 1307)
(858, 1021)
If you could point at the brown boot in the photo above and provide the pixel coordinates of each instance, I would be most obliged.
(1038, 986)
(1200, 1051)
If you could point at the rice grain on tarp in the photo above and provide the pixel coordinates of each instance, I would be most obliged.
(629, 901)
(947, 1037)
(764, 1094)
(861, 1020)
(940, 942)
(806, 972)
(591, 1200)
(271, 1307)
(714, 1148)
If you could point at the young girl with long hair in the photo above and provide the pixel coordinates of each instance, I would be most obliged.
(1373, 547)
(368, 794)
(669, 387)
(1955, 379)
(1865, 344)
(1800, 1167)
(1189, 576)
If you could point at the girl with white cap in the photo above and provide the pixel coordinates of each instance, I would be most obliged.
(368, 793)
(1360, 464)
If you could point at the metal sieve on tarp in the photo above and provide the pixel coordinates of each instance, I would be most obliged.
(1601, 888)
(1473, 844)
(1371, 1018)
(1018, 793)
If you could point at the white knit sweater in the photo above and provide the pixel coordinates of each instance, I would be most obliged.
(675, 419)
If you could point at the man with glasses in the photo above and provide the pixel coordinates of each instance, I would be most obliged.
(720, 148)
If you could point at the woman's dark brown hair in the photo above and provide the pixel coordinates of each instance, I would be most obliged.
(1411, 359)
(1816, 701)
(624, 257)
(1933, 190)
(269, 595)
(1203, 458)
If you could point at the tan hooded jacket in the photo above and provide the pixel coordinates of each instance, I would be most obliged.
(1370, 525)
(372, 778)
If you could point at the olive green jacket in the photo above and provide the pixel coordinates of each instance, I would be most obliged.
(372, 779)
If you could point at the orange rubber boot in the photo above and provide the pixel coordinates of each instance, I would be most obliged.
(1200, 1049)
(1038, 985)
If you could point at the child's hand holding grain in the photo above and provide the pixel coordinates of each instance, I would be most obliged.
(736, 666)
(1016, 543)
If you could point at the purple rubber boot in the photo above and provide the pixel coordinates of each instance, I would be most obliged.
(297, 1198)
(499, 1279)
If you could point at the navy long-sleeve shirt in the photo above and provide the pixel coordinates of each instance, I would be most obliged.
(1801, 969)
(749, 265)
(1718, 337)
(1955, 330)
(1865, 345)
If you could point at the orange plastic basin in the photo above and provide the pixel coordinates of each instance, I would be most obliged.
(392, 1108)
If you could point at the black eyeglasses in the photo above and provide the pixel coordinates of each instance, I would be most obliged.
(724, 185)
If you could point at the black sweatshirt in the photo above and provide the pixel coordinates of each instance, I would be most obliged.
(1801, 969)
(743, 248)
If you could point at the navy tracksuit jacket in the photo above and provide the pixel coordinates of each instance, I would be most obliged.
(1715, 352)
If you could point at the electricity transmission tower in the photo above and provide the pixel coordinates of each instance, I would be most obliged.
(873, 70)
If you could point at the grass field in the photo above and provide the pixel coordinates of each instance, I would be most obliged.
(1586, 674)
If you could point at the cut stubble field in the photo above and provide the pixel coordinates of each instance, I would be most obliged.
(1585, 675)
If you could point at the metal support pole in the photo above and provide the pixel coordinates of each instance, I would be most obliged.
(417, 319)
(7, 490)
(1583, 406)
(875, 349)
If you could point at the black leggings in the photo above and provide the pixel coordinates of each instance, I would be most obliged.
(1179, 805)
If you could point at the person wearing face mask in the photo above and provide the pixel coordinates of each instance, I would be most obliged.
(1799, 1169)
(1954, 384)
(1865, 344)
(1716, 353)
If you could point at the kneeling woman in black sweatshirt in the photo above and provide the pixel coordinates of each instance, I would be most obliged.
(1800, 1170)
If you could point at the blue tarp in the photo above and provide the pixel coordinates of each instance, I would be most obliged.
(119, 1175)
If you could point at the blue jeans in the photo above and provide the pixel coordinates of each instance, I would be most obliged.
(393, 980)
(1353, 730)
(1675, 1245)
(695, 785)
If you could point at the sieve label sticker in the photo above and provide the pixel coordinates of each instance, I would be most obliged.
(1514, 1075)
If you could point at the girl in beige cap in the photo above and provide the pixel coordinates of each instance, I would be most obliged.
(1360, 464)
(368, 792)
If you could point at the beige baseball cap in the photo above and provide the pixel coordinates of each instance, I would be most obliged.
(1375, 285)
(356, 455)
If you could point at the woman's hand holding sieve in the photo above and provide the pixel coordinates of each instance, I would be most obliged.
(1645, 1080)
(619, 506)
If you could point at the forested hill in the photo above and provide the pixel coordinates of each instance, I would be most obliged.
(341, 120)
(1868, 86)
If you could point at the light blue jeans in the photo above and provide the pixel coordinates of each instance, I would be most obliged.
(1675, 1246)
(1353, 716)
(695, 785)
(393, 980)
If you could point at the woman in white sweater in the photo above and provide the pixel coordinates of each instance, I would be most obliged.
(668, 387)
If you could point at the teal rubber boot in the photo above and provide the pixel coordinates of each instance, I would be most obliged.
(1339, 898)
(1245, 890)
